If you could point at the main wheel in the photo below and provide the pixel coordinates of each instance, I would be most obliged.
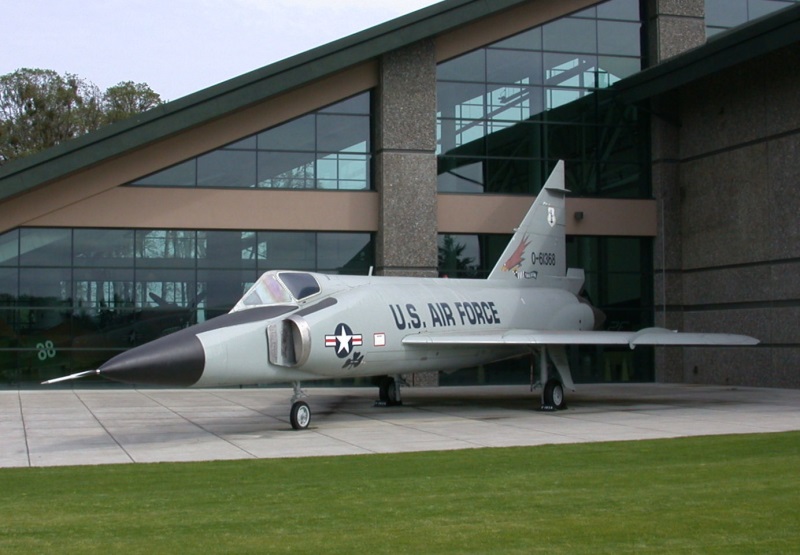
(392, 392)
(388, 393)
(300, 416)
(554, 395)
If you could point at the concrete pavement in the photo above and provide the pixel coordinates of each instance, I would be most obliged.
(105, 426)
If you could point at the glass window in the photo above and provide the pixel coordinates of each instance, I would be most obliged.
(266, 291)
(760, 8)
(295, 135)
(568, 70)
(286, 156)
(611, 69)
(103, 247)
(356, 105)
(166, 289)
(287, 250)
(9, 286)
(227, 168)
(45, 247)
(122, 288)
(570, 35)
(726, 14)
(618, 38)
(98, 289)
(286, 170)
(461, 100)
(45, 286)
(249, 143)
(300, 285)
(9, 248)
(165, 248)
(513, 67)
(468, 67)
(226, 249)
(460, 256)
(619, 9)
(343, 171)
(458, 134)
(528, 40)
(545, 105)
(219, 290)
(515, 103)
(342, 133)
(344, 253)
(182, 175)
(458, 175)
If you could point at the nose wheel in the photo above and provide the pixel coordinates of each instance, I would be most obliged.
(300, 415)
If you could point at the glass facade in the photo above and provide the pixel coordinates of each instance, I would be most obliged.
(72, 298)
(722, 15)
(507, 112)
(326, 149)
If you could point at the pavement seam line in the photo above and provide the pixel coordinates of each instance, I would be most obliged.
(24, 427)
(193, 423)
(106, 430)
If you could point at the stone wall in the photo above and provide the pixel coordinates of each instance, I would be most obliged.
(738, 234)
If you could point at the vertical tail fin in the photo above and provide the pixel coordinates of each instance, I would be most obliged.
(538, 247)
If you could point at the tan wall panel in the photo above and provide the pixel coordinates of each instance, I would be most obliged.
(500, 214)
(139, 207)
(26, 209)
(505, 24)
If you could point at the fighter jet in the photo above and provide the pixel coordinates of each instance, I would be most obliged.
(295, 326)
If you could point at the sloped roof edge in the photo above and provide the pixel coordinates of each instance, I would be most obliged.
(240, 92)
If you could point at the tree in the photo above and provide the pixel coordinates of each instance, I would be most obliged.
(452, 261)
(128, 99)
(40, 108)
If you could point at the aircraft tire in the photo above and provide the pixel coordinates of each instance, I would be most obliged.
(391, 392)
(387, 392)
(300, 415)
(554, 395)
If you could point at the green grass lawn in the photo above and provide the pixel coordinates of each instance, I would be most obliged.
(726, 494)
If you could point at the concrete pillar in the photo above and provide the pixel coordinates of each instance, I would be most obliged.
(405, 169)
(674, 26)
(405, 162)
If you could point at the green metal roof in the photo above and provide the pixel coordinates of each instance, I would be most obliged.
(733, 47)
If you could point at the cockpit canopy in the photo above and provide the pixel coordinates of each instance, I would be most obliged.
(279, 287)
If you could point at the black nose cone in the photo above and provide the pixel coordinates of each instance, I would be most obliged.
(176, 360)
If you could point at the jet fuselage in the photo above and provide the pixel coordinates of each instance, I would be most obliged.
(351, 328)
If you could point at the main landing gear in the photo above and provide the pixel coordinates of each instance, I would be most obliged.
(388, 391)
(553, 395)
(300, 415)
(553, 388)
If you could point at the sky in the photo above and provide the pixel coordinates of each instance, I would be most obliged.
(177, 47)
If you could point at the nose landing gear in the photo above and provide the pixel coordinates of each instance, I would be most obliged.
(300, 415)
